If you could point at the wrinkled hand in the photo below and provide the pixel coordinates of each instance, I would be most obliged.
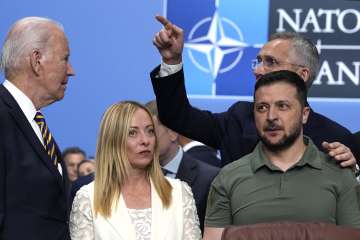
(169, 41)
(341, 153)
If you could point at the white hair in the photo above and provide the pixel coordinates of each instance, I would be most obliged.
(25, 35)
(305, 52)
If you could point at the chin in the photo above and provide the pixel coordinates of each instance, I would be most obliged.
(60, 96)
(273, 140)
(141, 164)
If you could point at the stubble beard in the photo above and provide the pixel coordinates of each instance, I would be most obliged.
(285, 142)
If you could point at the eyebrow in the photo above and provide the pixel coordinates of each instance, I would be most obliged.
(278, 101)
(147, 126)
(265, 56)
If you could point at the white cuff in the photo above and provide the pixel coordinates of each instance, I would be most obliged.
(166, 69)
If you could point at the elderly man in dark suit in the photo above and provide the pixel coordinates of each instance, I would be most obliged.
(178, 164)
(33, 178)
(233, 132)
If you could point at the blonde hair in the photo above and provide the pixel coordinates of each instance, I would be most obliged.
(112, 165)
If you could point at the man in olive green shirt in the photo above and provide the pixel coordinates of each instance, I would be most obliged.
(286, 178)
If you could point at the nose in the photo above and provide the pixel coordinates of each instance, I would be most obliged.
(272, 114)
(144, 139)
(70, 70)
(258, 71)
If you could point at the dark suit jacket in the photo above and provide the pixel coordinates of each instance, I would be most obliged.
(33, 194)
(356, 136)
(78, 183)
(205, 154)
(199, 176)
(232, 132)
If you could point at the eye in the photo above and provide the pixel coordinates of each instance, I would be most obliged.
(132, 133)
(283, 106)
(66, 58)
(258, 60)
(151, 132)
(270, 61)
(261, 108)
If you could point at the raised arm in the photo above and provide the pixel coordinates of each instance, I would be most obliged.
(174, 108)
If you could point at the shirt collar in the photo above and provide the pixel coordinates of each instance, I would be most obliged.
(173, 164)
(191, 144)
(310, 157)
(23, 101)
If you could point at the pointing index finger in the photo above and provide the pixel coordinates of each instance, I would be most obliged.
(166, 23)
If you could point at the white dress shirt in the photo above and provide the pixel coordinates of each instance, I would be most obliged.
(28, 108)
(166, 69)
(192, 144)
(173, 165)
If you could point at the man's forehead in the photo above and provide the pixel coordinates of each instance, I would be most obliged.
(275, 47)
(276, 91)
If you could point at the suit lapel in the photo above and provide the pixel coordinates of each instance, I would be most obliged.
(121, 222)
(160, 218)
(25, 127)
(187, 170)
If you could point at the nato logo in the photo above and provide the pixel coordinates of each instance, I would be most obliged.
(221, 40)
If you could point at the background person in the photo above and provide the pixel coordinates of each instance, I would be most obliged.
(180, 165)
(86, 174)
(72, 157)
(86, 167)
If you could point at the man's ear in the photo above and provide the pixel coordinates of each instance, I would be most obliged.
(305, 115)
(35, 62)
(304, 73)
(173, 135)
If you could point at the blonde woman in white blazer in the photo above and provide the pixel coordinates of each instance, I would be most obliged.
(130, 199)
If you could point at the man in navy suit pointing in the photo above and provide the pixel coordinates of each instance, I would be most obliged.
(233, 132)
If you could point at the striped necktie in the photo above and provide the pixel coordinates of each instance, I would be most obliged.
(49, 142)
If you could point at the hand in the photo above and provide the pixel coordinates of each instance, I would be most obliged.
(169, 41)
(341, 153)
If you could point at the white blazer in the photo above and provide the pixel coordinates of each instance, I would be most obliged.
(166, 224)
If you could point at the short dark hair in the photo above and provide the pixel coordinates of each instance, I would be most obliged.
(284, 76)
(72, 150)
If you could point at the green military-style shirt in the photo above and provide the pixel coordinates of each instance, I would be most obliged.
(252, 190)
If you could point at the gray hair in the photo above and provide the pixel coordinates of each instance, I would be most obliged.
(305, 51)
(24, 35)
(151, 105)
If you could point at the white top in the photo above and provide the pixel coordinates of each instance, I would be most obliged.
(141, 219)
(156, 223)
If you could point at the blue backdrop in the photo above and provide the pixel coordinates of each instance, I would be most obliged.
(112, 53)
